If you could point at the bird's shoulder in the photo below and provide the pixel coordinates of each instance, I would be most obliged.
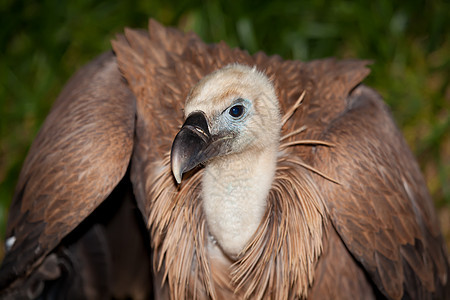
(79, 155)
(380, 207)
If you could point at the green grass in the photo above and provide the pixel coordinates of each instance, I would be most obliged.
(43, 42)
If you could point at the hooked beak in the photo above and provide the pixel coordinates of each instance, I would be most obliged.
(191, 146)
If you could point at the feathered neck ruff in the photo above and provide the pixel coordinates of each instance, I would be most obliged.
(278, 262)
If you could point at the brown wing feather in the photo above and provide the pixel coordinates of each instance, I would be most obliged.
(381, 209)
(78, 157)
(337, 274)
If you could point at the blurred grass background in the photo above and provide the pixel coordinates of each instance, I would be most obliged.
(42, 43)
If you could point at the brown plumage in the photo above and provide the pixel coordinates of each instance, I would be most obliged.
(348, 214)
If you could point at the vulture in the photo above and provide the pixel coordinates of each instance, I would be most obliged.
(173, 169)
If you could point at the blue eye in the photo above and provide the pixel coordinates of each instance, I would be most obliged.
(236, 111)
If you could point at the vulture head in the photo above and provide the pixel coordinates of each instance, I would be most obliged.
(232, 126)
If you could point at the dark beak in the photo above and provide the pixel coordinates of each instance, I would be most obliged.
(191, 146)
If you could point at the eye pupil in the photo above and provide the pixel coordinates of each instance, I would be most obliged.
(236, 111)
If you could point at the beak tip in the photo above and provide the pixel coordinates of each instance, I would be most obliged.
(178, 177)
(176, 167)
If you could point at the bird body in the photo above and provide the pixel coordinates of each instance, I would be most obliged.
(255, 177)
